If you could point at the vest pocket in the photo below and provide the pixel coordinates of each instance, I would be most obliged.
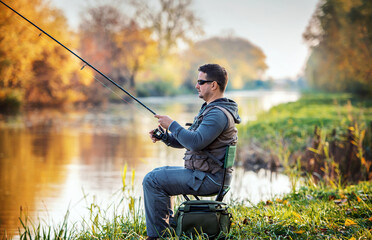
(200, 162)
(197, 162)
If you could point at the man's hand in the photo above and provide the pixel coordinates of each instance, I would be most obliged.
(152, 137)
(164, 121)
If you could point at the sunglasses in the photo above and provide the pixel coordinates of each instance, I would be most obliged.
(201, 82)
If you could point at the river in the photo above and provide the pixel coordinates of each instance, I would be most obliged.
(53, 160)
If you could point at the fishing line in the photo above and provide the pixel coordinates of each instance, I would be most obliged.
(85, 62)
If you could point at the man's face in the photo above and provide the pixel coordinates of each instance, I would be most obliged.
(204, 90)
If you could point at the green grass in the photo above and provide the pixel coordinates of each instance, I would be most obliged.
(311, 212)
(294, 122)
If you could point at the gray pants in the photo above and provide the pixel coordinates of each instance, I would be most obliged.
(162, 183)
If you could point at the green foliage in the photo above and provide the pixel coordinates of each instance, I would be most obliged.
(340, 34)
(295, 121)
(158, 88)
(329, 133)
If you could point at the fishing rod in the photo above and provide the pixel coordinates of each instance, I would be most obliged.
(85, 62)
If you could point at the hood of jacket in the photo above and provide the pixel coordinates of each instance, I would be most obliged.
(228, 104)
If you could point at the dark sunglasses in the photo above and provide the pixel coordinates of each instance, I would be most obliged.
(201, 82)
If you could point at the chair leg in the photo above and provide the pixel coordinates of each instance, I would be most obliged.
(186, 197)
(196, 197)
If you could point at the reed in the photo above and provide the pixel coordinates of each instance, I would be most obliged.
(311, 212)
(331, 136)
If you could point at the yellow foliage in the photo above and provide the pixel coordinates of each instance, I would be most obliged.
(169, 69)
(32, 61)
(349, 222)
(124, 174)
(135, 48)
(133, 175)
(237, 82)
(297, 215)
(131, 205)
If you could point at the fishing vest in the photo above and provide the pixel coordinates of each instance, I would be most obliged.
(199, 160)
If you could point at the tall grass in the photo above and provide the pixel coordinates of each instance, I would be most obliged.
(329, 134)
(122, 218)
(313, 211)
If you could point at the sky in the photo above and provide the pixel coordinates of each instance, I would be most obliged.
(275, 26)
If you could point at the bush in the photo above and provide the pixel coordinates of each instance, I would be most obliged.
(10, 100)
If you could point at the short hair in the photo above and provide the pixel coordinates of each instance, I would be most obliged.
(215, 73)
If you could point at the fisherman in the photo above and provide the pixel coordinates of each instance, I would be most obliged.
(212, 131)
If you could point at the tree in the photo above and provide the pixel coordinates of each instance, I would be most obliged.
(243, 60)
(97, 30)
(340, 35)
(115, 44)
(172, 22)
(135, 49)
(33, 64)
(18, 46)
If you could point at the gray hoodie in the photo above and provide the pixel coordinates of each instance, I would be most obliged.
(203, 133)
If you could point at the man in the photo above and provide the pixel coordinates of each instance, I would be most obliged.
(206, 141)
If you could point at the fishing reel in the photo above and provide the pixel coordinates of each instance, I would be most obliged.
(158, 133)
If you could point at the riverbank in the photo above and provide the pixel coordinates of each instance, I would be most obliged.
(312, 212)
(309, 132)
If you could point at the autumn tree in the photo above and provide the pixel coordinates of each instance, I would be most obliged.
(115, 44)
(30, 63)
(172, 21)
(340, 36)
(243, 60)
(135, 49)
(97, 30)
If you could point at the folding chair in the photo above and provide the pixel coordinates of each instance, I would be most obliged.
(228, 163)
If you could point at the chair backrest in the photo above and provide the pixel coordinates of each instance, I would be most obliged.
(230, 156)
(228, 163)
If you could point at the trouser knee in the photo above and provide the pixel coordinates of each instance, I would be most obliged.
(148, 181)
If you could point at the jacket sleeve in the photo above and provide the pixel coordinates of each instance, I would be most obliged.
(214, 122)
(171, 141)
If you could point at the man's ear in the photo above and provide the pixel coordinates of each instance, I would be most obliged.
(215, 85)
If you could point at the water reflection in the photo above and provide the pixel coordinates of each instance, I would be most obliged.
(50, 159)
